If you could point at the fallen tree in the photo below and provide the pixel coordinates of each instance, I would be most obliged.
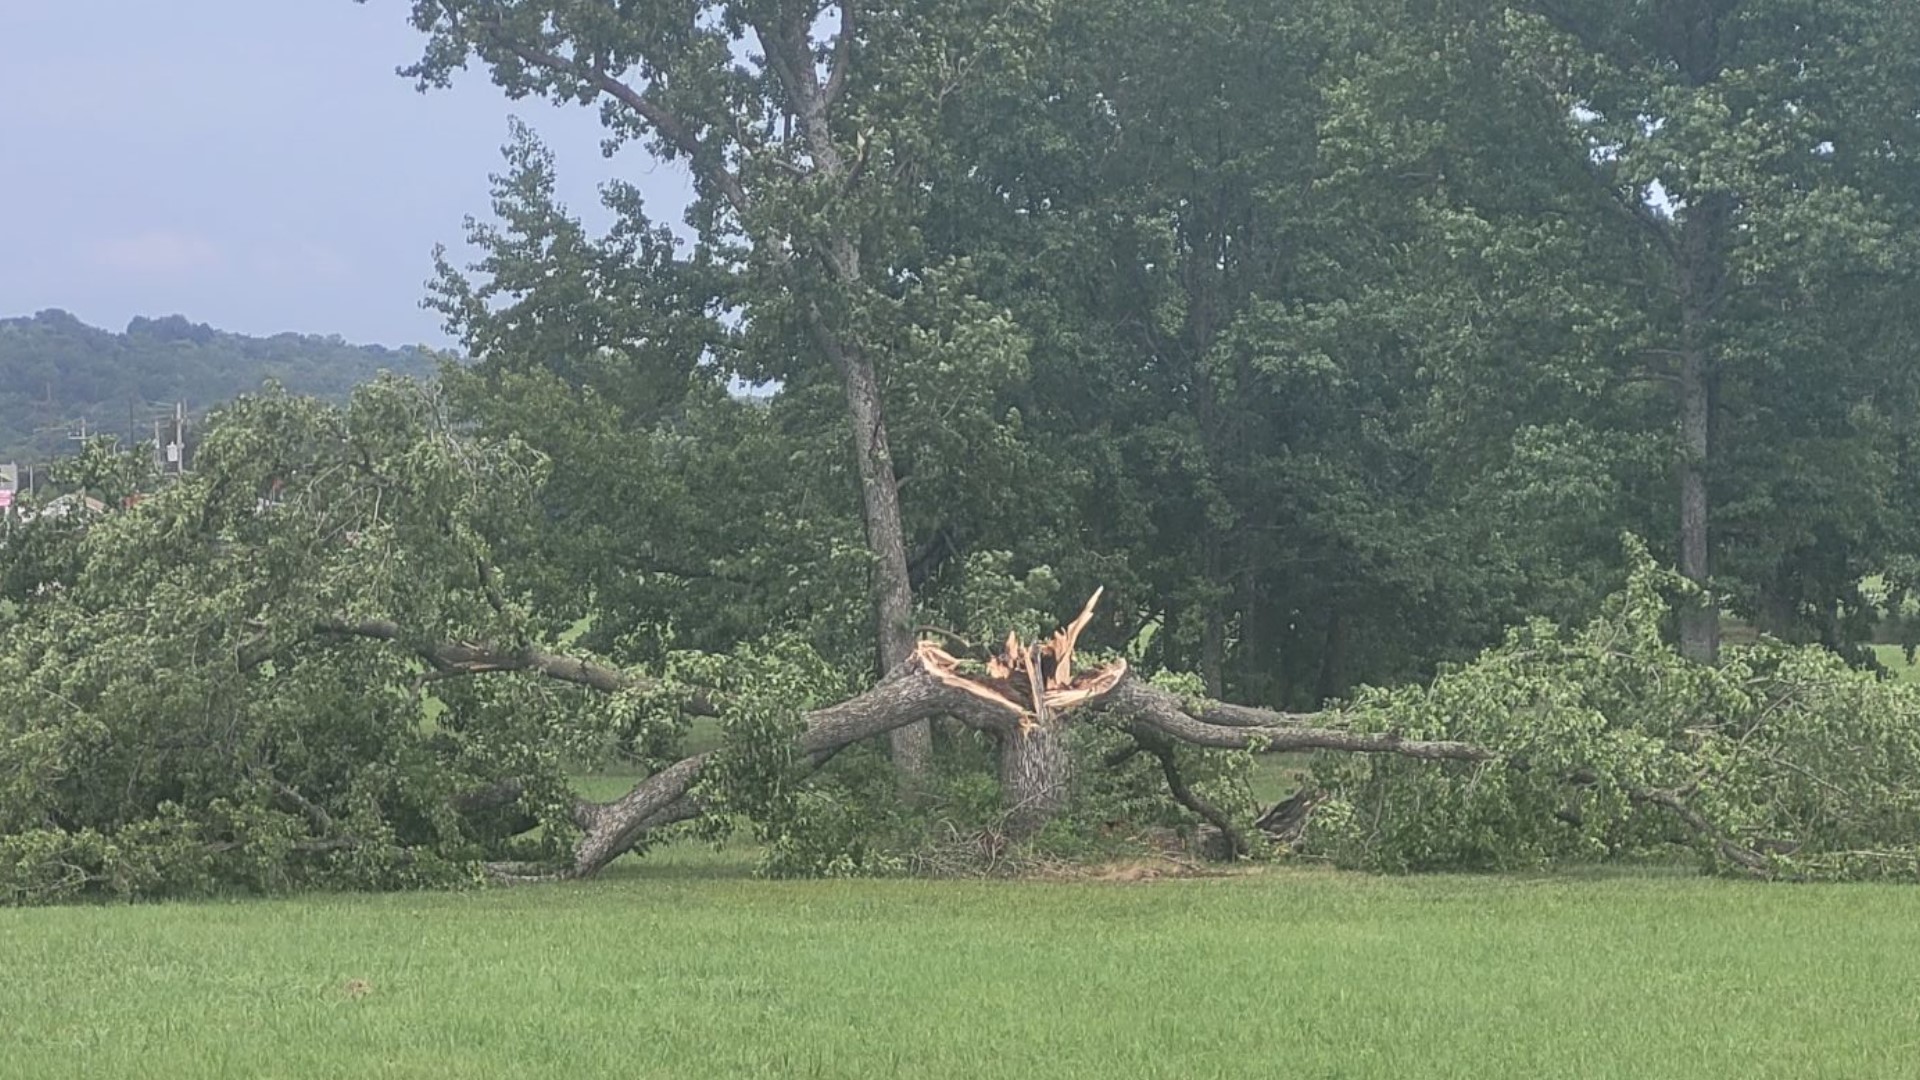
(1595, 743)
(1023, 696)
(342, 691)
(1603, 787)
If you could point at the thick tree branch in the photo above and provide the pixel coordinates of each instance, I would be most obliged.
(842, 56)
(1141, 702)
(467, 658)
(1676, 802)
(1157, 744)
(1634, 209)
(908, 695)
(1226, 714)
(316, 815)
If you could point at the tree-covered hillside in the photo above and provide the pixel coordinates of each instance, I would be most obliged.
(56, 371)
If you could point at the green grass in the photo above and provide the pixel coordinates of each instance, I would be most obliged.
(1894, 659)
(679, 967)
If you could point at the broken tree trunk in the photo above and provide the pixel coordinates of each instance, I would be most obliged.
(920, 689)
(1023, 695)
(1030, 688)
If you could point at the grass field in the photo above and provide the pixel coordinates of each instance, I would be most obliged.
(1894, 659)
(681, 967)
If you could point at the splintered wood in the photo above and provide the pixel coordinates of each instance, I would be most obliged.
(1030, 682)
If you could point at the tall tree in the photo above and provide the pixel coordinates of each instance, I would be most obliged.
(1236, 369)
(1749, 162)
(804, 125)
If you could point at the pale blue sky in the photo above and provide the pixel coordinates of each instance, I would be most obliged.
(253, 164)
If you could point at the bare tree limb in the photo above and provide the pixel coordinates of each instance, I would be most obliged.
(1140, 701)
(1227, 714)
(842, 56)
(317, 815)
(1157, 744)
(466, 658)
(1676, 802)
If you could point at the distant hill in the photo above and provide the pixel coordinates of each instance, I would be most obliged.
(56, 371)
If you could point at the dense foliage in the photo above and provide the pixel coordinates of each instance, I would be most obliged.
(1328, 367)
(1333, 343)
(1792, 762)
(56, 371)
(174, 718)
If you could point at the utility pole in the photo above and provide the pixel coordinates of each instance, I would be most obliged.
(174, 449)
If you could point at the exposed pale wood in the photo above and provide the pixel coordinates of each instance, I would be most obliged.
(1030, 682)
(1063, 641)
(1000, 665)
(1013, 692)
(943, 668)
(1095, 685)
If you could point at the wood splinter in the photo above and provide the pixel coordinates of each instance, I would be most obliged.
(1031, 683)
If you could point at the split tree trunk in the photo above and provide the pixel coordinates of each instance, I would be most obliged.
(1022, 696)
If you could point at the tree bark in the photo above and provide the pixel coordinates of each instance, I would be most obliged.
(1036, 775)
(892, 589)
(1213, 649)
(1691, 35)
(1702, 257)
(789, 53)
(1333, 657)
(1699, 621)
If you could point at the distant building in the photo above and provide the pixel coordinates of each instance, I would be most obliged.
(73, 503)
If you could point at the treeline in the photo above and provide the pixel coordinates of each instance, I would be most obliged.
(56, 372)
(1329, 339)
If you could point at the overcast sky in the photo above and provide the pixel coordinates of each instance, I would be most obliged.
(253, 164)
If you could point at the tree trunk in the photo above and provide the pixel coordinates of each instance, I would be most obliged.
(1333, 658)
(1699, 622)
(1252, 668)
(1213, 650)
(1702, 257)
(1036, 775)
(911, 744)
(1691, 34)
(791, 59)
